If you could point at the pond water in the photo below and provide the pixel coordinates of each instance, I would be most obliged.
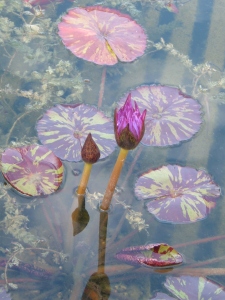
(42, 255)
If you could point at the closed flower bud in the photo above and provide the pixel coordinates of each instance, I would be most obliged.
(129, 125)
(90, 152)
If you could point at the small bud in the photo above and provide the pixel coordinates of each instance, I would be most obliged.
(90, 152)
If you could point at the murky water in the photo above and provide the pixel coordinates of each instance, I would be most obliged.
(42, 255)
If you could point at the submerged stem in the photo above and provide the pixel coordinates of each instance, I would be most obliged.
(113, 179)
(84, 179)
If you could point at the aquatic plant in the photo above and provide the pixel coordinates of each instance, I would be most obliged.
(132, 6)
(40, 2)
(90, 154)
(4, 295)
(129, 127)
(14, 262)
(64, 129)
(180, 194)
(32, 170)
(102, 35)
(171, 116)
(151, 255)
(188, 287)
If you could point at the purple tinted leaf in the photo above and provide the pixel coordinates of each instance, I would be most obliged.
(64, 129)
(180, 194)
(162, 296)
(4, 295)
(188, 287)
(32, 170)
(153, 255)
(171, 116)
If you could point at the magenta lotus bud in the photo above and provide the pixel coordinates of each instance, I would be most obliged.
(90, 152)
(129, 125)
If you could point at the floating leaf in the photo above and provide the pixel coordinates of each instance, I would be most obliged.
(153, 255)
(32, 170)
(171, 116)
(162, 296)
(64, 128)
(181, 194)
(4, 295)
(199, 288)
(102, 35)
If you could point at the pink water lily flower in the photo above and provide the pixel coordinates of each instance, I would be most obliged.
(129, 125)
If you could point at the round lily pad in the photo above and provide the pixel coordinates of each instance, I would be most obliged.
(180, 194)
(102, 35)
(151, 255)
(64, 129)
(189, 287)
(171, 117)
(32, 170)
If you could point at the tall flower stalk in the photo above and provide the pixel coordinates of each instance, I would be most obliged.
(90, 155)
(129, 129)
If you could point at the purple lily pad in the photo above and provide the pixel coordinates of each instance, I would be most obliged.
(162, 296)
(171, 117)
(181, 194)
(151, 255)
(189, 287)
(4, 295)
(32, 170)
(64, 129)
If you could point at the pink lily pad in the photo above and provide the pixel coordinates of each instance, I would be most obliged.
(180, 194)
(189, 287)
(102, 35)
(32, 170)
(64, 129)
(151, 255)
(171, 117)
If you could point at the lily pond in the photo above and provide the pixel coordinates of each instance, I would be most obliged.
(112, 149)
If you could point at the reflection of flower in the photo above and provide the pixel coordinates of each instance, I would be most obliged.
(129, 125)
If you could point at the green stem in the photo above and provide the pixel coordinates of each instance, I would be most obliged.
(113, 179)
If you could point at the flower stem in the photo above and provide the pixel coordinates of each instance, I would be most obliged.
(84, 179)
(113, 179)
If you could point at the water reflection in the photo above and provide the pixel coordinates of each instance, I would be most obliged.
(80, 216)
(98, 286)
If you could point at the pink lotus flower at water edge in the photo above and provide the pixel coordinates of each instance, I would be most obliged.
(129, 125)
